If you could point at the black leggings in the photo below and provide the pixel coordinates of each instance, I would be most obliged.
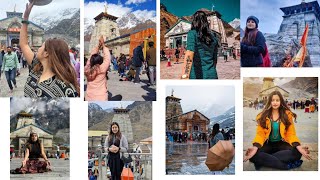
(276, 155)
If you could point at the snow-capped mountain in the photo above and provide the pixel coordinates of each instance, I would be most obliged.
(47, 21)
(209, 110)
(235, 23)
(128, 21)
(227, 119)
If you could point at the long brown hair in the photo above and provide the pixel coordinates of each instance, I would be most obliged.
(250, 36)
(59, 61)
(118, 135)
(29, 142)
(267, 111)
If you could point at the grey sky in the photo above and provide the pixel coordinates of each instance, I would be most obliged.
(23, 104)
(199, 96)
(113, 104)
(278, 81)
(267, 11)
(8, 5)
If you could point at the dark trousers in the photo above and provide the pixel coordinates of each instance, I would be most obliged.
(276, 155)
(137, 78)
(11, 76)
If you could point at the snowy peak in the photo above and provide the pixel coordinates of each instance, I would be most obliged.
(235, 23)
(129, 21)
(227, 119)
(47, 21)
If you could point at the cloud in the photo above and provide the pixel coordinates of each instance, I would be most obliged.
(145, 14)
(205, 95)
(92, 9)
(268, 13)
(113, 104)
(135, 2)
(28, 104)
(8, 5)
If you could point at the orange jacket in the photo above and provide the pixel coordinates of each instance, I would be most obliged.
(289, 135)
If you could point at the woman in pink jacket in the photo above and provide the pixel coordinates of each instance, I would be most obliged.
(95, 71)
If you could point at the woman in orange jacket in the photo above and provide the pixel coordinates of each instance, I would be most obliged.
(276, 144)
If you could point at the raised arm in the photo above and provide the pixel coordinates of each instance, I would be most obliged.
(25, 48)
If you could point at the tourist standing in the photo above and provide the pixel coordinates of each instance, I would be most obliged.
(137, 61)
(215, 135)
(252, 44)
(1, 60)
(151, 62)
(202, 50)
(116, 144)
(177, 54)
(10, 65)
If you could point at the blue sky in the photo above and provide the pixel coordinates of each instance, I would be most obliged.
(8, 5)
(145, 9)
(134, 4)
(229, 9)
(268, 12)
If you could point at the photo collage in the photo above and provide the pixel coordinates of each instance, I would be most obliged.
(158, 89)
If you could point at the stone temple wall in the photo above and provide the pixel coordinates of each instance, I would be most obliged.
(291, 29)
(125, 125)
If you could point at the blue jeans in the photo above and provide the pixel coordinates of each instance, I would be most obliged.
(11, 76)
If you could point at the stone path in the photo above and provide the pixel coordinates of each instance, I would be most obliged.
(17, 92)
(189, 159)
(129, 91)
(60, 170)
(307, 132)
(226, 70)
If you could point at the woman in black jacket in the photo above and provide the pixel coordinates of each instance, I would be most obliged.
(252, 44)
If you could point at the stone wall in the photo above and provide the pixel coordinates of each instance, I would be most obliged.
(103, 27)
(292, 28)
(125, 125)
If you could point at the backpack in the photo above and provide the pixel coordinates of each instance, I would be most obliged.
(266, 58)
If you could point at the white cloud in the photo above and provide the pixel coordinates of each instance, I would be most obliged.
(8, 5)
(268, 13)
(145, 14)
(92, 9)
(135, 2)
(201, 96)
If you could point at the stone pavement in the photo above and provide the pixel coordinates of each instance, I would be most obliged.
(129, 91)
(21, 81)
(60, 170)
(306, 129)
(189, 159)
(226, 70)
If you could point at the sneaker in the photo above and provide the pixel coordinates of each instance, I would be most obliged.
(15, 86)
(294, 164)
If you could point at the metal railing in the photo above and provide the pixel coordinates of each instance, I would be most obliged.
(143, 160)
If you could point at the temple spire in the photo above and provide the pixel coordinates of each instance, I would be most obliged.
(105, 7)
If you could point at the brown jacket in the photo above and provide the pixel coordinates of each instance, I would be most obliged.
(151, 56)
(289, 135)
